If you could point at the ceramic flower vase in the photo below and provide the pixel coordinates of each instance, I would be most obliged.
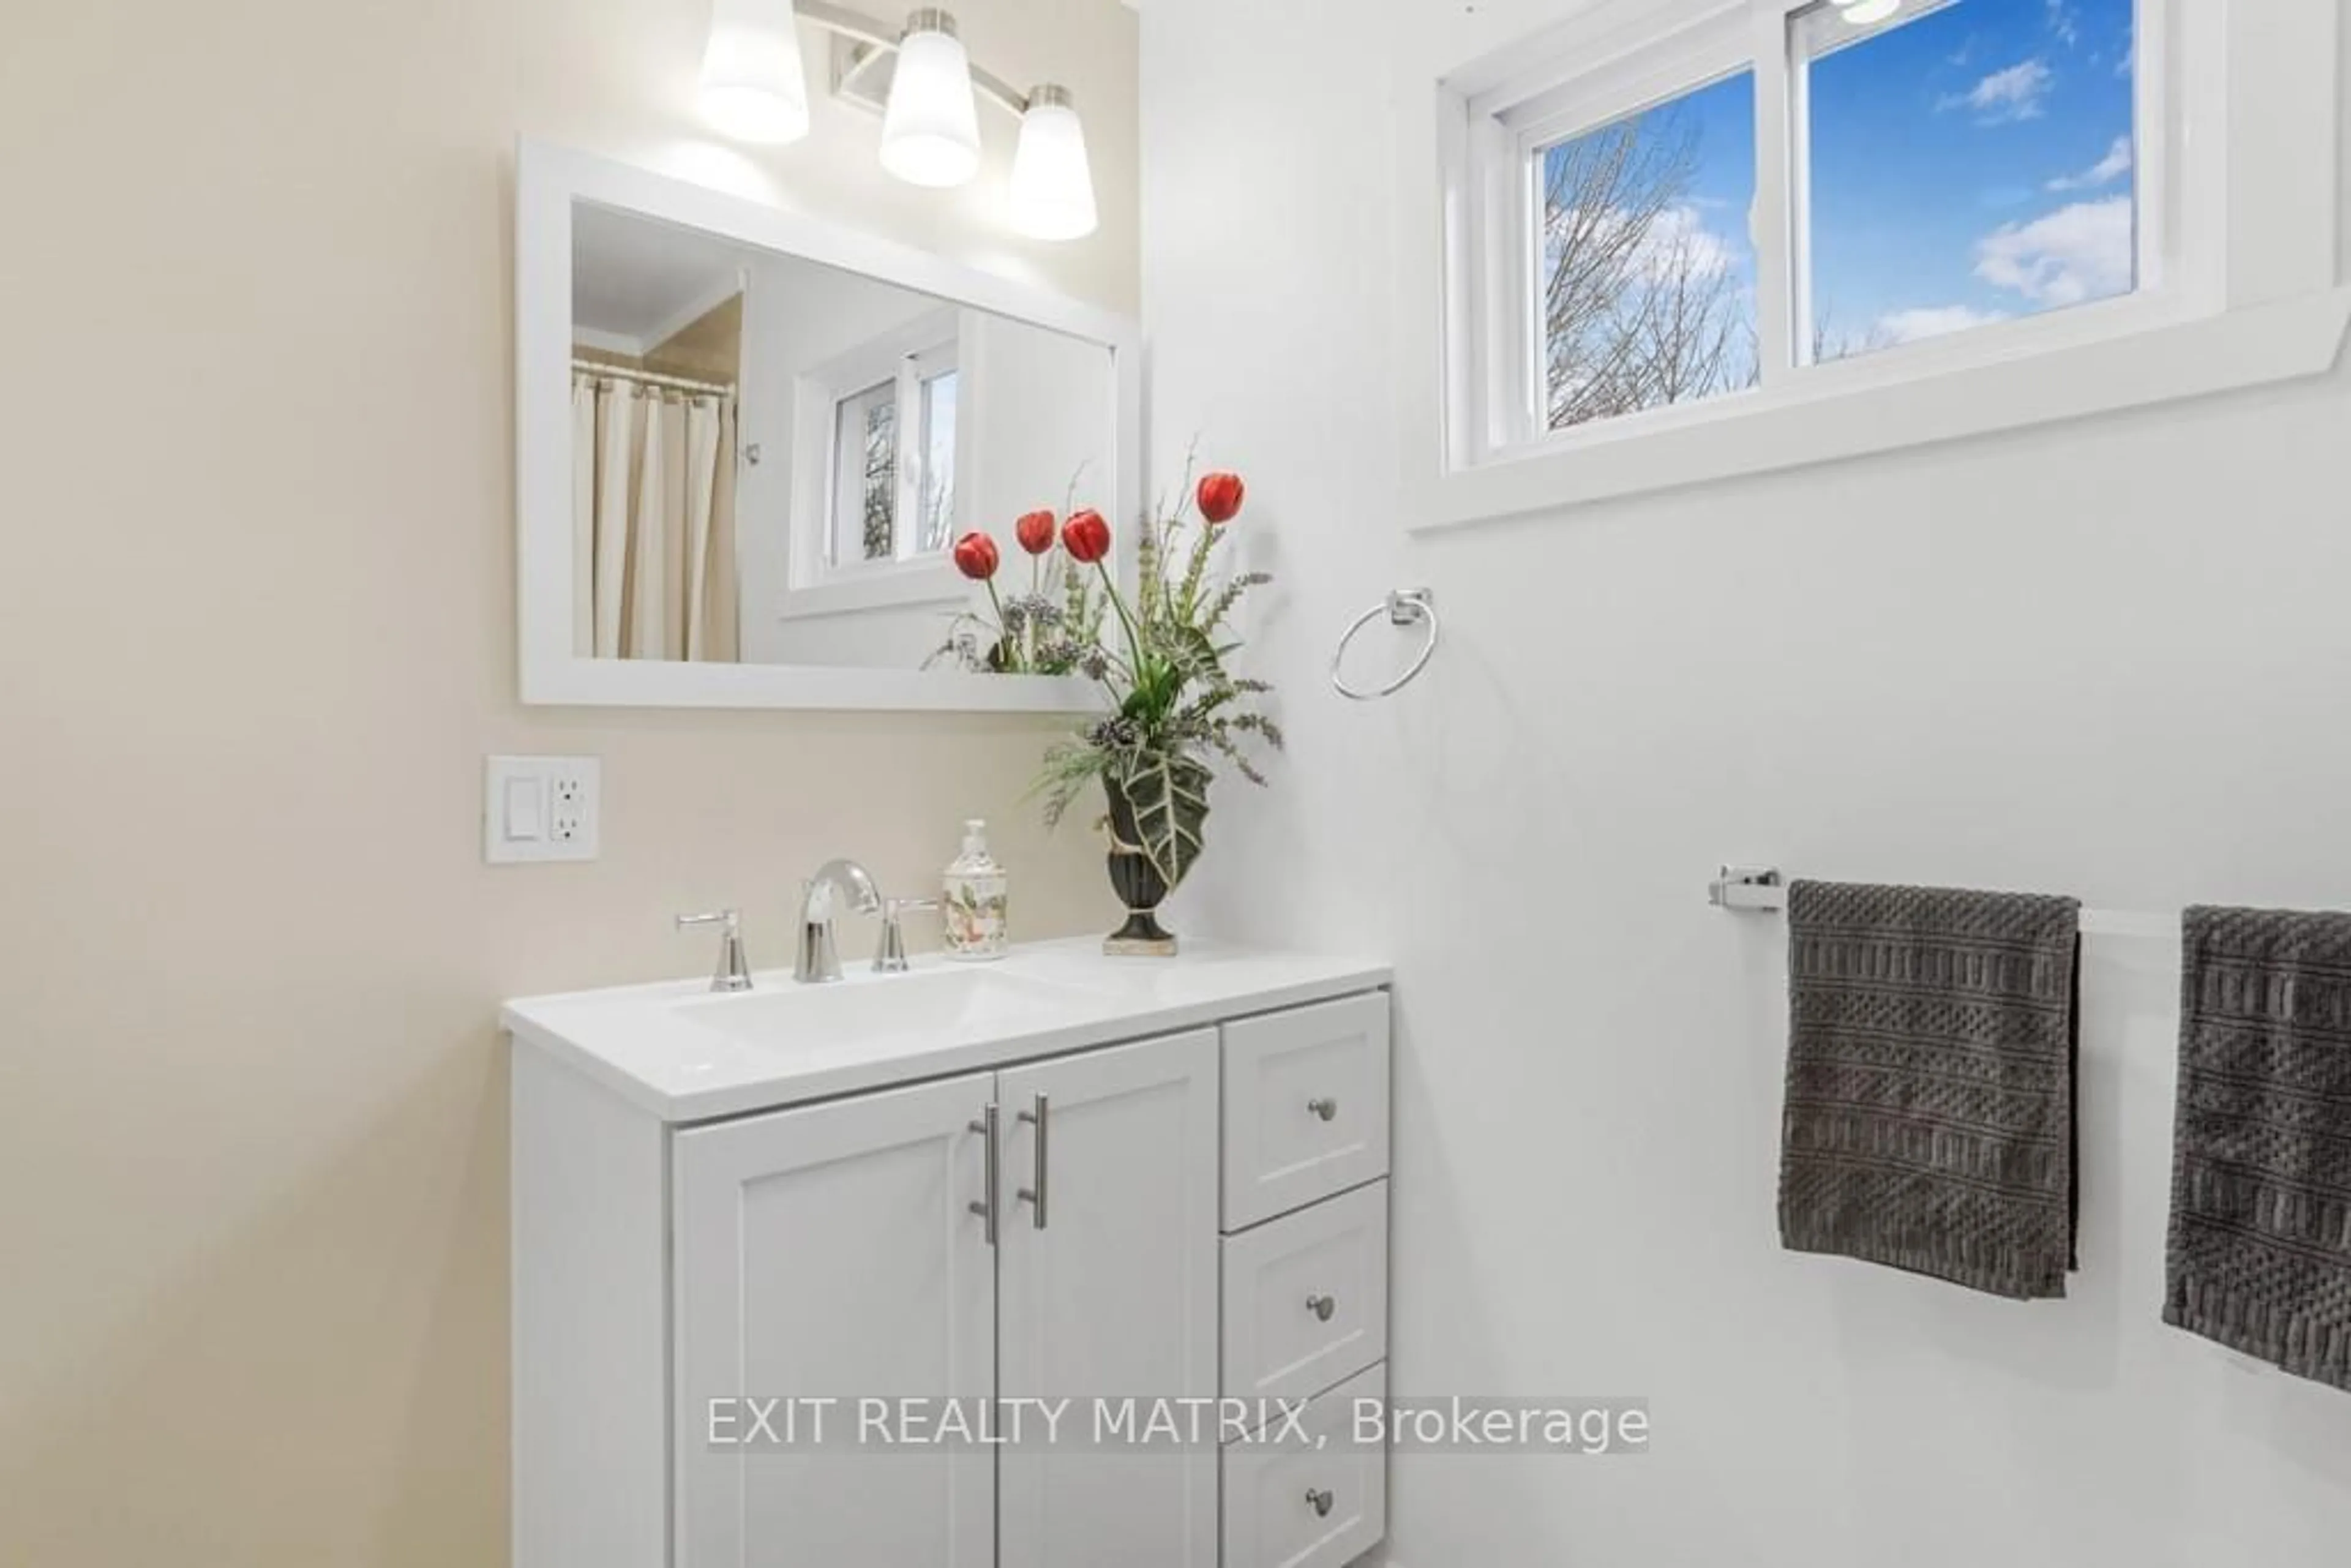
(1137, 882)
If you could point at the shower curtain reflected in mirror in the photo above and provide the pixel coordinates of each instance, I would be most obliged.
(653, 545)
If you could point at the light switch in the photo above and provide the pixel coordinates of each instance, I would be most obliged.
(541, 809)
(526, 822)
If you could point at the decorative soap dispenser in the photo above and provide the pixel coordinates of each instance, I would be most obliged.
(974, 899)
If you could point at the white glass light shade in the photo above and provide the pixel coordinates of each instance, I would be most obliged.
(1053, 183)
(930, 133)
(1862, 13)
(754, 86)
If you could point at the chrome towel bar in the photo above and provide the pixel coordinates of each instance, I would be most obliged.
(1759, 890)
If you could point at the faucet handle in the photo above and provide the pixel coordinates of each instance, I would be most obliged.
(733, 974)
(890, 958)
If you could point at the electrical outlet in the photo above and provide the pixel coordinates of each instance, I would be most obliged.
(540, 809)
(568, 818)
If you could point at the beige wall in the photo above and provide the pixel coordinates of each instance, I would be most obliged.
(255, 624)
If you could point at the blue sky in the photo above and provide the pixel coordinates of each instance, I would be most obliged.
(1971, 165)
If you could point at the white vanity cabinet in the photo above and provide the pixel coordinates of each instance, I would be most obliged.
(830, 1250)
(1053, 1230)
(1108, 1287)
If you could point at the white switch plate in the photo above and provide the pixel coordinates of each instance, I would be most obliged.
(540, 809)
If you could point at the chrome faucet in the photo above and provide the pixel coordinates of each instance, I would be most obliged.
(890, 958)
(734, 974)
(819, 959)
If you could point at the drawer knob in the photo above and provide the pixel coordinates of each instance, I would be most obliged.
(1320, 1501)
(1321, 1306)
(1325, 1108)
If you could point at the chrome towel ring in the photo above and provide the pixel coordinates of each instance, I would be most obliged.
(1404, 607)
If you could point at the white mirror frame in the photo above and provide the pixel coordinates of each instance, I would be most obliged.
(547, 182)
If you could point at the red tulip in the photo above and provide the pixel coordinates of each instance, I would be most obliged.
(1220, 496)
(975, 556)
(1086, 537)
(1035, 531)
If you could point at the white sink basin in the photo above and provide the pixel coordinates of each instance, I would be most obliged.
(941, 1007)
(687, 1055)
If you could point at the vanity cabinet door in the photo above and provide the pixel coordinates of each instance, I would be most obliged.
(1108, 1282)
(831, 1250)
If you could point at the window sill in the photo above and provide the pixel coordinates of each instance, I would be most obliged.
(881, 587)
(1782, 428)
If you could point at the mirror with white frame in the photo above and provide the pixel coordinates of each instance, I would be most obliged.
(748, 442)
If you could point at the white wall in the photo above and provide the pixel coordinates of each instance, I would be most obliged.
(2106, 659)
(1047, 407)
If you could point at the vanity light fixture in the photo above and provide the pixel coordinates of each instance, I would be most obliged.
(754, 88)
(753, 85)
(1052, 184)
(1864, 13)
(930, 133)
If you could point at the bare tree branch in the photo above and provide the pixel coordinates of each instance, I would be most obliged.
(1639, 306)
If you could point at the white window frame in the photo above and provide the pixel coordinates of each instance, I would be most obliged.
(902, 374)
(2238, 277)
(817, 582)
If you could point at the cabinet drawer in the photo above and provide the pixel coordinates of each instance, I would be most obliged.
(1306, 1297)
(1294, 1505)
(1306, 1105)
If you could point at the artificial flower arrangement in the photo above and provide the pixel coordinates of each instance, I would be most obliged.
(1175, 709)
(1050, 630)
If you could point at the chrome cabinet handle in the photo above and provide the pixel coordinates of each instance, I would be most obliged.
(1320, 1501)
(1324, 1108)
(986, 1128)
(1322, 1306)
(1039, 1118)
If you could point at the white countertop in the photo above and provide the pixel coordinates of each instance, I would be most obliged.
(656, 1046)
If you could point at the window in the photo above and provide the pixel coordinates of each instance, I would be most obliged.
(1965, 163)
(1947, 164)
(891, 493)
(1644, 274)
(1675, 242)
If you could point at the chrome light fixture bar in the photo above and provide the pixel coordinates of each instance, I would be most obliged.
(754, 88)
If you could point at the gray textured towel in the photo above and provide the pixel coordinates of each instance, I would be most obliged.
(1930, 1122)
(2260, 1191)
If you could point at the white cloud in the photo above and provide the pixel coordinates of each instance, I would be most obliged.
(2007, 95)
(2062, 23)
(2104, 171)
(1679, 243)
(2076, 253)
(1932, 321)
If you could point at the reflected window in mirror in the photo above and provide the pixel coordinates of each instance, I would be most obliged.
(938, 401)
(890, 494)
(865, 477)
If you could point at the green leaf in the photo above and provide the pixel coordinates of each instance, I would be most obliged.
(1169, 793)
